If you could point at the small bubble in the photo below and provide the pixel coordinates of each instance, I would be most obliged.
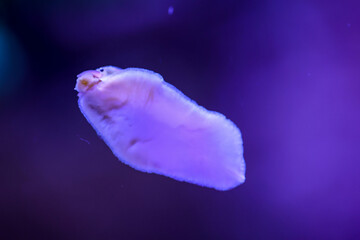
(348, 25)
(171, 10)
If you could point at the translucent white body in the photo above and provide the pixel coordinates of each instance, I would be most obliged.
(153, 127)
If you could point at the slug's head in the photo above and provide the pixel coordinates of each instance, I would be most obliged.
(88, 79)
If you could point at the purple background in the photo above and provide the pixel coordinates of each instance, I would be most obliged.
(286, 72)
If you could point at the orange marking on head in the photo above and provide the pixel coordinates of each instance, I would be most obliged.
(84, 82)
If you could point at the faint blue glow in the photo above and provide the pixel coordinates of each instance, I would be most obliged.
(11, 62)
(2, 50)
(171, 10)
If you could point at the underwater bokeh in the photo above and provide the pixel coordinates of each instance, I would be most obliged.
(285, 72)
